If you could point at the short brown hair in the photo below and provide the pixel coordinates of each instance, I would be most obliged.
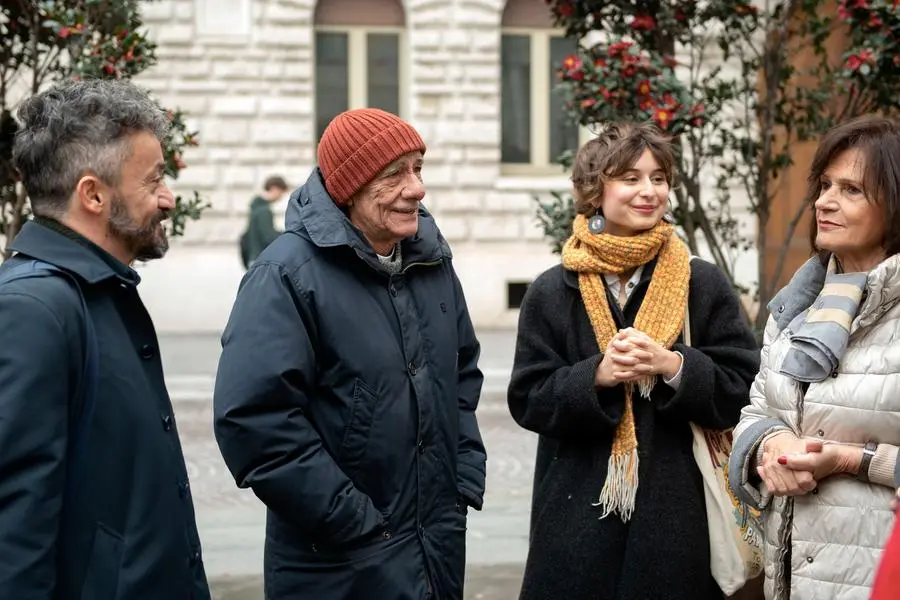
(878, 140)
(275, 181)
(613, 152)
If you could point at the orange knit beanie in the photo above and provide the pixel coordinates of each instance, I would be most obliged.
(359, 144)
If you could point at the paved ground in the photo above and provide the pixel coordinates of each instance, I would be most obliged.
(231, 521)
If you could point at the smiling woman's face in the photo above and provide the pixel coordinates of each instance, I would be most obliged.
(636, 200)
(848, 222)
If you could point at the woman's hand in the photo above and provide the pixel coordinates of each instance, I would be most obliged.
(823, 460)
(631, 355)
(652, 358)
(780, 479)
(619, 364)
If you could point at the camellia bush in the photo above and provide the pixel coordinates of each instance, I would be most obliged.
(737, 85)
(43, 42)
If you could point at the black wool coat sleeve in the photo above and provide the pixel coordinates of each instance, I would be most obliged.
(551, 392)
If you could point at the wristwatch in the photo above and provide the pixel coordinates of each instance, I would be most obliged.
(868, 452)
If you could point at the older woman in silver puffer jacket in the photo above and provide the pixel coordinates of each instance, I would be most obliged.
(817, 447)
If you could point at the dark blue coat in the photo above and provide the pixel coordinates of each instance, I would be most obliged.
(345, 399)
(129, 530)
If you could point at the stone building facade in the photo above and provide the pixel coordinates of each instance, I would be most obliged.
(246, 73)
(261, 78)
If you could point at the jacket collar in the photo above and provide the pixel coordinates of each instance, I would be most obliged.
(311, 210)
(570, 278)
(54, 243)
(882, 292)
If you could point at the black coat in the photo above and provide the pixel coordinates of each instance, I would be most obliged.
(129, 530)
(345, 398)
(662, 553)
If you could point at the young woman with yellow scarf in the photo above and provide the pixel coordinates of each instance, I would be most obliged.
(602, 375)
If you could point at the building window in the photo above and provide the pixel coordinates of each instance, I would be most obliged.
(359, 58)
(535, 126)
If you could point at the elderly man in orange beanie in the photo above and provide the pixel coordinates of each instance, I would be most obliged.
(348, 381)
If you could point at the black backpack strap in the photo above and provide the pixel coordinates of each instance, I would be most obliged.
(81, 410)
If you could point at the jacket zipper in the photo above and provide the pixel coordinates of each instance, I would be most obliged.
(420, 264)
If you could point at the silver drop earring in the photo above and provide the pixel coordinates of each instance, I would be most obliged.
(669, 218)
(597, 223)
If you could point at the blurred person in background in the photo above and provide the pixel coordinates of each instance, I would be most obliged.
(261, 229)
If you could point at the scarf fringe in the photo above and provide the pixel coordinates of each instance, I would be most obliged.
(620, 488)
(646, 385)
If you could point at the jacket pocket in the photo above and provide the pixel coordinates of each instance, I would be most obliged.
(101, 580)
(359, 427)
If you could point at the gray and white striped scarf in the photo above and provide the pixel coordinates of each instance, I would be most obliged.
(821, 332)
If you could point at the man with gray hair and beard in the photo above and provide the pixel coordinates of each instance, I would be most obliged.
(94, 494)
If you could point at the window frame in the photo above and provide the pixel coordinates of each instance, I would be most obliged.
(541, 85)
(358, 66)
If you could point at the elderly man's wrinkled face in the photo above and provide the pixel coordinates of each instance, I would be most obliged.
(848, 222)
(142, 200)
(386, 209)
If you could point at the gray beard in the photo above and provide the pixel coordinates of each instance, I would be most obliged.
(147, 241)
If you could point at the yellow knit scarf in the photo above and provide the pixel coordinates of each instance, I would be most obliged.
(661, 316)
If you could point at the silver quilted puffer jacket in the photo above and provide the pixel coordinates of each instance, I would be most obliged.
(827, 544)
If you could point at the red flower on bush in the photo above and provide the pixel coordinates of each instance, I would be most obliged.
(858, 60)
(663, 116)
(644, 88)
(698, 114)
(643, 23)
(563, 9)
(846, 7)
(572, 68)
(618, 48)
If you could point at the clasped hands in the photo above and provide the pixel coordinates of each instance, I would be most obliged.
(631, 355)
(793, 466)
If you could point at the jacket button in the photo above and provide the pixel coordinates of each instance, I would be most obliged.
(147, 352)
(387, 534)
(167, 422)
(809, 559)
(183, 489)
(314, 548)
(393, 291)
(781, 308)
(834, 374)
(195, 558)
(820, 433)
(412, 368)
(420, 445)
